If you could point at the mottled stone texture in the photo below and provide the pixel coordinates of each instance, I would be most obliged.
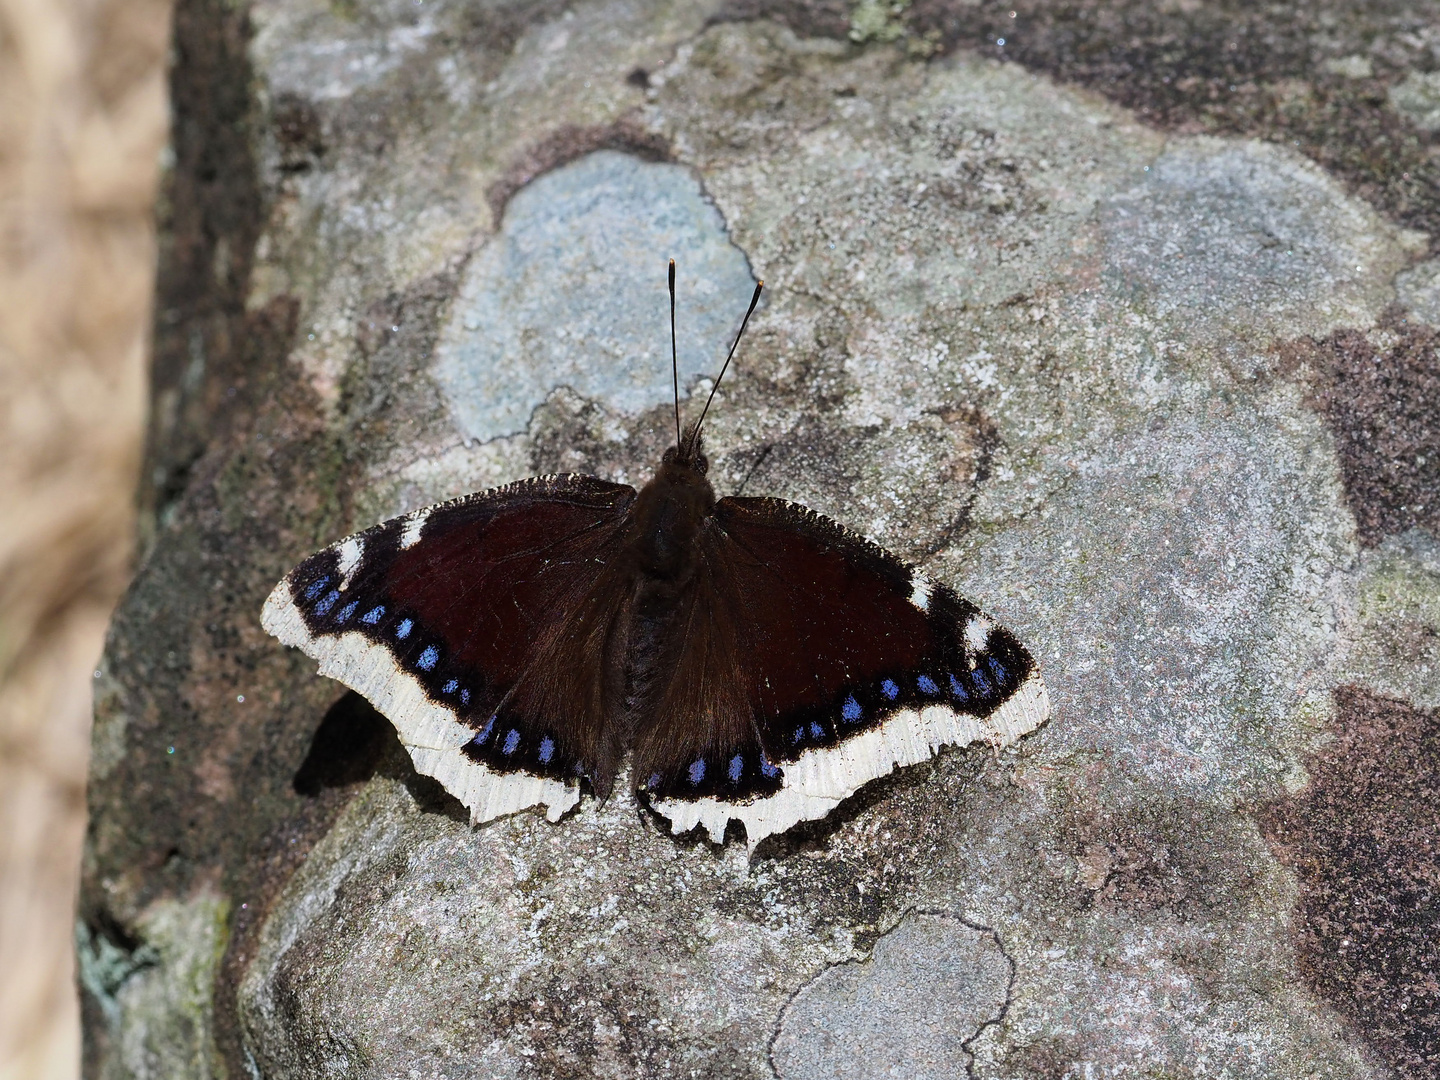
(1138, 362)
(1365, 843)
(1380, 393)
(928, 988)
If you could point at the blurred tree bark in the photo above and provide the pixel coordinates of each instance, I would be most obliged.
(82, 126)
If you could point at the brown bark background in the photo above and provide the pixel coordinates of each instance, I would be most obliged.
(82, 127)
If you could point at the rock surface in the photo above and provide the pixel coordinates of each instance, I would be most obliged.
(548, 301)
(928, 988)
(1146, 393)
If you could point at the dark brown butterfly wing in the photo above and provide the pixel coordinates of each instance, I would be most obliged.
(485, 629)
(809, 662)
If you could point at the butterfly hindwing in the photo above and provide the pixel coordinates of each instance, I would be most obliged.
(452, 622)
(700, 740)
(844, 664)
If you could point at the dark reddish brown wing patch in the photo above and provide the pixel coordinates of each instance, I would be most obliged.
(476, 598)
(817, 635)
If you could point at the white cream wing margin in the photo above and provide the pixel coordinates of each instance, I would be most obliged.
(431, 733)
(824, 777)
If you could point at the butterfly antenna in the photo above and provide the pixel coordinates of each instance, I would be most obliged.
(674, 365)
(750, 311)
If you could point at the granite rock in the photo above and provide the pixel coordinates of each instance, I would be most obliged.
(1097, 373)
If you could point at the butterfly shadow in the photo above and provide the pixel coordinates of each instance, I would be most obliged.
(355, 743)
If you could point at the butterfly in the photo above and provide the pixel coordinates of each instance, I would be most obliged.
(749, 658)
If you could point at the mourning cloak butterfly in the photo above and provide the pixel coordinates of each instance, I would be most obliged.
(754, 660)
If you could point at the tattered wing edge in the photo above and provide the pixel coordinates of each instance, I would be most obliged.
(431, 733)
(823, 778)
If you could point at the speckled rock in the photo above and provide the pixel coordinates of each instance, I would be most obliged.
(1109, 380)
(1418, 98)
(1419, 290)
(928, 988)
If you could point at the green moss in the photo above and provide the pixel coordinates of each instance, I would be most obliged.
(157, 993)
(877, 20)
(1399, 588)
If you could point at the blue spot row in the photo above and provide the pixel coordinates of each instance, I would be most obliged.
(985, 685)
(429, 658)
(453, 685)
(734, 769)
(511, 743)
(815, 731)
(323, 608)
(317, 588)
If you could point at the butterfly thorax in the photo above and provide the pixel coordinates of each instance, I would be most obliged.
(669, 514)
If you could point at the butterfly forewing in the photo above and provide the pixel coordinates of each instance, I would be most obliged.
(845, 664)
(480, 627)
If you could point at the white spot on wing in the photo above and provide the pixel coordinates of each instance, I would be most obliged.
(431, 733)
(977, 634)
(351, 552)
(414, 523)
(822, 778)
(920, 592)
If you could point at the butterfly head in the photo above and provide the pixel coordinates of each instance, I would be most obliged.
(689, 454)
